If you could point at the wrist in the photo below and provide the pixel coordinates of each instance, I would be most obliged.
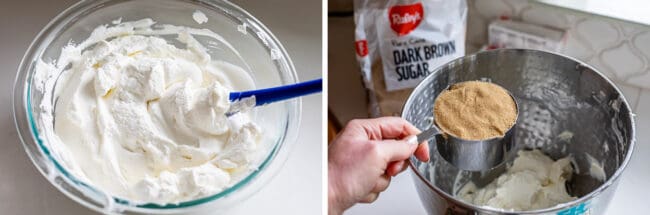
(333, 206)
(333, 201)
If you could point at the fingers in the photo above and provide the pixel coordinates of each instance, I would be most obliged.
(396, 167)
(371, 197)
(393, 168)
(382, 184)
(422, 152)
(385, 127)
(395, 150)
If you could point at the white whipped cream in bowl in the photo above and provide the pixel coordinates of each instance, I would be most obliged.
(121, 105)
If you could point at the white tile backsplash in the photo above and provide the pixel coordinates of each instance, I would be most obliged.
(642, 80)
(623, 60)
(595, 33)
(618, 49)
(631, 93)
(544, 16)
(642, 42)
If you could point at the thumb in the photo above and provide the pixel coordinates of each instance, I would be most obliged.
(397, 150)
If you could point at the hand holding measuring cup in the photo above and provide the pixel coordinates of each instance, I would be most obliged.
(365, 155)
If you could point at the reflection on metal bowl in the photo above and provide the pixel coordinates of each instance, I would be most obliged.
(556, 94)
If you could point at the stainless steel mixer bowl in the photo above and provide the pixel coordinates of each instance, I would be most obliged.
(556, 94)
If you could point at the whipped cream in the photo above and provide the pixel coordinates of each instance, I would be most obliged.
(534, 181)
(143, 119)
(199, 17)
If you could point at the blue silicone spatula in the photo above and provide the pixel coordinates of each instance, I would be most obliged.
(248, 99)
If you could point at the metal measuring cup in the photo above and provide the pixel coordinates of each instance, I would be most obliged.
(472, 155)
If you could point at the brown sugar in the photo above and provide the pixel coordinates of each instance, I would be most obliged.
(475, 110)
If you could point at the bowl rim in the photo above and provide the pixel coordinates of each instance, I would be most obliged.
(23, 120)
(563, 206)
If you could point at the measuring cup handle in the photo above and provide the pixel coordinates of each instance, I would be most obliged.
(426, 135)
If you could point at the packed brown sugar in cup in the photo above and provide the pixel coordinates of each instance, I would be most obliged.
(475, 110)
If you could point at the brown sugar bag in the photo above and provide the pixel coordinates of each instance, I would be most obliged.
(400, 42)
(390, 103)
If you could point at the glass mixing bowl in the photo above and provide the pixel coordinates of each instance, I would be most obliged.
(262, 56)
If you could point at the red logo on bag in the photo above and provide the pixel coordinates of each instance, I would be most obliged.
(405, 18)
(362, 47)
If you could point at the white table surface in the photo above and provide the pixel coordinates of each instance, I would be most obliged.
(295, 190)
(349, 102)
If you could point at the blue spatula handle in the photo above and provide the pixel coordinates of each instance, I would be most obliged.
(274, 94)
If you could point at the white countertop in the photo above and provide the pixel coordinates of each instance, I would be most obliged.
(401, 197)
(295, 190)
(629, 10)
